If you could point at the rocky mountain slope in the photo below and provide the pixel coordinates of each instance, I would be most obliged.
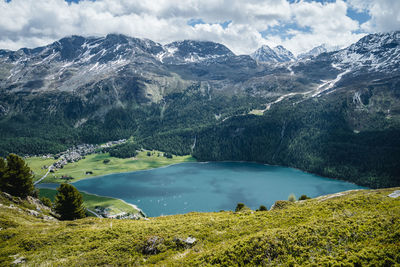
(301, 113)
(347, 228)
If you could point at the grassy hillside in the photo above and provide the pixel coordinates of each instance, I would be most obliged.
(351, 228)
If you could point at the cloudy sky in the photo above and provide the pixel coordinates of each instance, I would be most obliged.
(242, 25)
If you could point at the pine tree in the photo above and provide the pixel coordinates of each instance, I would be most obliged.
(68, 203)
(17, 178)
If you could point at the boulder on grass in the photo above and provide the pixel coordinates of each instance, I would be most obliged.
(185, 243)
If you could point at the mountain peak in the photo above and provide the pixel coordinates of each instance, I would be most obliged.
(316, 51)
(277, 54)
(194, 51)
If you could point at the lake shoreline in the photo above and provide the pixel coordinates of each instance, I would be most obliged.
(134, 206)
(127, 203)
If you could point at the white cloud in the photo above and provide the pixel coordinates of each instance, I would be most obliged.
(327, 23)
(385, 14)
(26, 23)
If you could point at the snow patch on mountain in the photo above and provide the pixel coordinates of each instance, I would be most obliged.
(316, 51)
(188, 51)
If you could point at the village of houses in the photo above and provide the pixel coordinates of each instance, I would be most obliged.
(77, 153)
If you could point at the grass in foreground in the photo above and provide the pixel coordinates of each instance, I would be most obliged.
(90, 201)
(355, 228)
(94, 163)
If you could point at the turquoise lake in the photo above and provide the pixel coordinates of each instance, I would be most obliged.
(212, 186)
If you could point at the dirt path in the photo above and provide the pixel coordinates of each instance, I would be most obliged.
(44, 176)
(94, 213)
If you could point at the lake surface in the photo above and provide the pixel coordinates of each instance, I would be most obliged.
(210, 186)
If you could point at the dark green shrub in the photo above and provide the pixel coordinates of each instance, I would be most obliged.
(106, 161)
(304, 197)
(239, 207)
(281, 204)
(262, 208)
(46, 201)
(168, 155)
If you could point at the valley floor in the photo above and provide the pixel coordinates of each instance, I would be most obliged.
(351, 228)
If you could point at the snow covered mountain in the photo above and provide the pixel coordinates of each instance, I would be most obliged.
(324, 48)
(192, 51)
(82, 64)
(74, 62)
(374, 53)
(277, 54)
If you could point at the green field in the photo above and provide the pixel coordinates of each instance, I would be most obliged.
(94, 163)
(90, 201)
(37, 164)
(257, 112)
(354, 228)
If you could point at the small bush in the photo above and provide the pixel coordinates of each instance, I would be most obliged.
(46, 201)
(168, 155)
(106, 161)
(239, 207)
(281, 204)
(304, 197)
(262, 208)
(292, 198)
(152, 246)
(149, 154)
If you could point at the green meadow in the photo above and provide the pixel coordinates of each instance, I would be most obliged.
(37, 165)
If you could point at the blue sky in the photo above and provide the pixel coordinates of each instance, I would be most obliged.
(243, 26)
